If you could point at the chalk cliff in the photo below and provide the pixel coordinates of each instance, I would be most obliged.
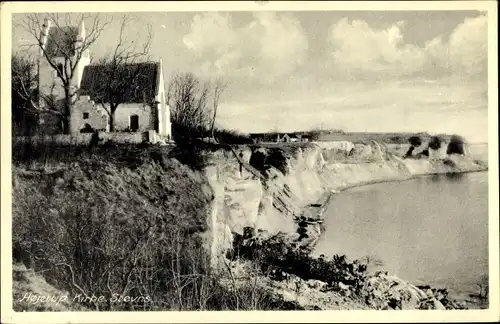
(295, 180)
(279, 189)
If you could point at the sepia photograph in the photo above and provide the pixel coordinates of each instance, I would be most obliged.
(249, 156)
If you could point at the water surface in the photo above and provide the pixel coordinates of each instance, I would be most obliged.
(429, 230)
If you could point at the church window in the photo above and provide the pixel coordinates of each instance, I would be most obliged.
(85, 115)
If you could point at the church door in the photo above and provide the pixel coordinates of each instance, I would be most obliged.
(134, 123)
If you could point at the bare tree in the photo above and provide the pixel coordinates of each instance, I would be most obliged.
(24, 92)
(26, 97)
(69, 52)
(189, 101)
(218, 88)
(120, 74)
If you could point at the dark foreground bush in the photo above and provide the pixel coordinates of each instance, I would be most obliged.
(233, 137)
(51, 153)
(279, 257)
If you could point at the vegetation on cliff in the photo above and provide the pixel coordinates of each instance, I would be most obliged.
(282, 259)
(120, 221)
(131, 220)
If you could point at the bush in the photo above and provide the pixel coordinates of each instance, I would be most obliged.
(415, 141)
(277, 159)
(258, 161)
(274, 157)
(456, 145)
(278, 257)
(31, 153)
(225, 136)
(395, 139)
(435, 143)
(193, 155)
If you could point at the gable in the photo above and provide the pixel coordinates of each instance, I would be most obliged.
(135, 83)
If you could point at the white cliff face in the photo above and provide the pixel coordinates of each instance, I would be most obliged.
(219, 235)
(241, 199)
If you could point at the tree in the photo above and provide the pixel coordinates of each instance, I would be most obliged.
(218, 88)
(193, 105)
(24, 94)
(68, 48)
(120, 72)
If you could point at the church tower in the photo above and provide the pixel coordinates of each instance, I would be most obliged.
(60, 45)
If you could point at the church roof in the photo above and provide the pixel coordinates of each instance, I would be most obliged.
(61, 41)
(135, 83)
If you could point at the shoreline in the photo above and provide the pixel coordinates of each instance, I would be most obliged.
(327, 196)
(411, 177)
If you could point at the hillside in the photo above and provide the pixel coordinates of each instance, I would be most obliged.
(124, 221)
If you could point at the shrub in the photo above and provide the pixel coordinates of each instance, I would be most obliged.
(193, 155)
(274, 157)
(258, 161)
(415, 141)
(314, 134)
(456, 145)
(396, 139)
(225, 136)
(278, 257)
(435, 143)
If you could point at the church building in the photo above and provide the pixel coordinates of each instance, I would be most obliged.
(142, 107)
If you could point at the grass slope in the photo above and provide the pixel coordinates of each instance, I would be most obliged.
(120, 221)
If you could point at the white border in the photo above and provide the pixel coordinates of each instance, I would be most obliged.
(8, 316)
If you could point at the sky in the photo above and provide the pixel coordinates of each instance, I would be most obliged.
(352, 70)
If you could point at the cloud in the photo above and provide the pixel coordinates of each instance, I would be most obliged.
(468, 46)
(271, 44)
(420, 106)
(360, 49)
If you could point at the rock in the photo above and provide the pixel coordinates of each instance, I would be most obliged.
(438, 305)
(343, 286)
(161, 143)
(316, 284)
(409, 304)
(382, 291)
